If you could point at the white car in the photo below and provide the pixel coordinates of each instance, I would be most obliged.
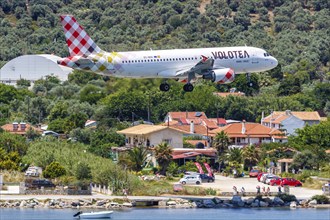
(269, 178)
(190, 180)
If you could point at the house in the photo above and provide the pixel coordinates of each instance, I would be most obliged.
(244, 133)
(225, 94)
(152, 135)
(20, 128)
(178, 116)
(289, 121)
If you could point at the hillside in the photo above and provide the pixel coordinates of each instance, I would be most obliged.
(291, 30)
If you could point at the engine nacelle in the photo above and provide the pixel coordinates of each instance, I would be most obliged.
(221, 76)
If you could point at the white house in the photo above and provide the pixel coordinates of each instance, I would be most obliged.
(290, 121)
(152, 135)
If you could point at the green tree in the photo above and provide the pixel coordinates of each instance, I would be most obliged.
(251, 156)
(163, 155)
(138, 156)
(54, 170)
(83, 172)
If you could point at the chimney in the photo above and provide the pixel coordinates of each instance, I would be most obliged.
(23, 126)
(262, 116)
(192, 127)
(243, 127)
(287, 112)
(15, 126)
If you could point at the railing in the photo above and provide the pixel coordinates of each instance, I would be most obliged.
(101, 189)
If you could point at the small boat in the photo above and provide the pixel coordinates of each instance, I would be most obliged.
(93, 215)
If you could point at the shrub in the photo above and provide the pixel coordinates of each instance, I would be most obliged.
(321, 199)
(53, 170)
(287, 197)
(83, 171)
(210, 191)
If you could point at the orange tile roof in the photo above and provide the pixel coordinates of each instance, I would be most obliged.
(225, 94)
(190, 115)
(10, 128)
(285, 160)
(143, 129)
(206, 151)
(279, 116)
(194, 142)
(251, 129)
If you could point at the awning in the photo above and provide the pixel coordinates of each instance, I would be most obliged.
(186, 155)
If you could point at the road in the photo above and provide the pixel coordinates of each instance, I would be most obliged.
(225, 184)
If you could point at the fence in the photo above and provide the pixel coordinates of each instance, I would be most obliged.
(101, 189)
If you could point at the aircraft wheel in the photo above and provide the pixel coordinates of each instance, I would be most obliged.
(164, 87)
(188, 87)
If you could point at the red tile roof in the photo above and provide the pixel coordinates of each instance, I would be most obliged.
(178, 153)
(225, 94)
(277, 116)
(190, 115)
(19, 130)
(251, 129)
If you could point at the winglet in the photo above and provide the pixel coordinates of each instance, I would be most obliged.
(204, 58)
(78, 41)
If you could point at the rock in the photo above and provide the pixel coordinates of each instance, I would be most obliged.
(236, 199)
(255, 203)
(208, 203)
(127, 204)
(75, 203)
(278, 201)
(162, 203)
(312, 203)
(217, 200)
(100, 203)
(171, 203)
(23, 203)
(263, 204)
(249, 201)
(304, 203)
(293, 205)
(241, 204)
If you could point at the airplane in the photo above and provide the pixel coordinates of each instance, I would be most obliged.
(218, 64)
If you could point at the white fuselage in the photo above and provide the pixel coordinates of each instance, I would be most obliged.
(167, 63)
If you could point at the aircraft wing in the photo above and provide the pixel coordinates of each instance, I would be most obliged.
(201, 67)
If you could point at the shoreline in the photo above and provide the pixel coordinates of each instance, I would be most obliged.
(100, 201)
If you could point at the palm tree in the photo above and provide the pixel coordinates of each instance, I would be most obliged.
(235, 155)
(221, 142)
(138, 156)
(163, 154)
(251, 156)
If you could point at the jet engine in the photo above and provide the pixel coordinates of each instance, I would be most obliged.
(220, 76)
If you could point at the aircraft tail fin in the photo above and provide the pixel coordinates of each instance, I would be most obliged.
(78, 41)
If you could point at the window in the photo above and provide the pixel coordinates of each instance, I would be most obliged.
(168, 141)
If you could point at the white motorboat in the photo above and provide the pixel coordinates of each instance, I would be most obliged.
(93, 215)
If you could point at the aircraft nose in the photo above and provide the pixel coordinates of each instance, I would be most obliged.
(274, 62)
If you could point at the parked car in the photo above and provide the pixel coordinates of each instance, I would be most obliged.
(269, 178)
(37, 184)
(206, 178)
(275, 182)
(290, 182)
(259, 176)
(254, 173)
(264, 176)
(33, 171)
(190, 180)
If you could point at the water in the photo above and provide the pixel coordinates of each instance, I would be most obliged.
(174, 214)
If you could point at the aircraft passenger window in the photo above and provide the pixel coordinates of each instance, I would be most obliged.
(157, 60)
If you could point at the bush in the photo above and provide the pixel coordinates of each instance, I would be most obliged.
(210, 191)
(53, 170)
(83, 171)
(321, 199)
(287, 197)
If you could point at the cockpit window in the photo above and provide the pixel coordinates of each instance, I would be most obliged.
(266, 54)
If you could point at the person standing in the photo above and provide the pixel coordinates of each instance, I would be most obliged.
(243, 191)
(268, 191)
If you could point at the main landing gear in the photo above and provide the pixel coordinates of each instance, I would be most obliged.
(164, 87)
(188, 87)
(248, 78)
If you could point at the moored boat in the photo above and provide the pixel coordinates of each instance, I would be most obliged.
(93, 215)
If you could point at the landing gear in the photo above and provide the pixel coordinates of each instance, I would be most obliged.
(248, 78)
(164, 87)
(188, 87)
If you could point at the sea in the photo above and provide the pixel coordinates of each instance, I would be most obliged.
(175, 214)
